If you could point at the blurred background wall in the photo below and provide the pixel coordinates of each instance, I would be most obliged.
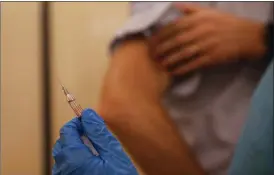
(79, 36)
(21, 137)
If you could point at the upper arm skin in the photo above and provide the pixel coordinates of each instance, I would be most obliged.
(131, 106)
(133, 76)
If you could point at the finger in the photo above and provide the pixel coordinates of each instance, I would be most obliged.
(192, 65)
(188, 8)
(70, 137)
(73, 152)
(205, 46)
(100, 136)
(187, 22)
(183, 25)
(182, 39)
(95, 129)
(70, 133)
(167, 31)
(57, 148)
(72, 158)
(167, 47)
(204, 50)
(196, 34)
(183, 54)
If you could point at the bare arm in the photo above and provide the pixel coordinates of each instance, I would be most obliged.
(130, 105)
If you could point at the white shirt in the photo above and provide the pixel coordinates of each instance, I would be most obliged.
(210, 108)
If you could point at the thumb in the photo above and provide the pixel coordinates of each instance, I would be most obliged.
(188, 8)
(97, 132)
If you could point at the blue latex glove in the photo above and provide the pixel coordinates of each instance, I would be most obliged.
(73, 157)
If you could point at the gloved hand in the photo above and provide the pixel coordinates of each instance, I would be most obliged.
(73, 157)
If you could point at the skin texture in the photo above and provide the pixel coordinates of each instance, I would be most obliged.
(207, 37)
(130, 105)
(134, 84)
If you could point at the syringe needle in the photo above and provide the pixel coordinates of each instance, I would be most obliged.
(78, 111)
(65, 91)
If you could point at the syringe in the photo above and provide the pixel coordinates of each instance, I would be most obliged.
(78, 111)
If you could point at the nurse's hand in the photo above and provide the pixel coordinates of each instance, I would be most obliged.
(73, 157)
(204, 37)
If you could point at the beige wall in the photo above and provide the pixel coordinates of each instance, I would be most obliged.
(21, 90)
(80, 35)
(81, 32)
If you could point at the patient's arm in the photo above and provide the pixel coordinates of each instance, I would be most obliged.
(130, 105)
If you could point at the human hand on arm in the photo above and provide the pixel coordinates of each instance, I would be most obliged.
(205, 37)
(131, 106)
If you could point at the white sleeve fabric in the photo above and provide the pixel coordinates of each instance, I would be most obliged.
(144, 17)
